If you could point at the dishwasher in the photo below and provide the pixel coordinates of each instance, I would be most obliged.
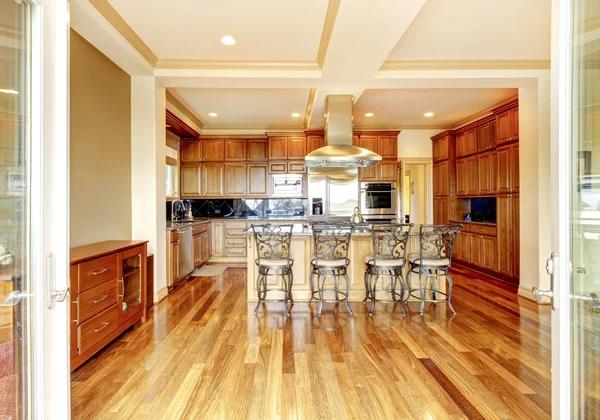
(186, 252)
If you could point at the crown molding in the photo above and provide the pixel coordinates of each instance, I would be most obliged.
(377, 127)
(465, 65)
(332, 11)
(183, 109)
(193, 64)
(310, 105)
(286, 128)
(483, 113)
(115, 19)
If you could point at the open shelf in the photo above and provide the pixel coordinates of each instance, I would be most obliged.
(128, 271)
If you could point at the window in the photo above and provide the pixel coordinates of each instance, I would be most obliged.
(172, 173)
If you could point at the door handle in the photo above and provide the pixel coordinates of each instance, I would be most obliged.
(53, 296)
(14, 298)
(540, 294)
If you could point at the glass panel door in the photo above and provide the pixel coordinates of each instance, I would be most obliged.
(15, 248)
(585, 210)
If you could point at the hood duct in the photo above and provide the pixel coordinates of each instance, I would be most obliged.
(339, 151)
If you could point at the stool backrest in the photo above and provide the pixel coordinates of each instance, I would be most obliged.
(331, 241)
(390, 240)
(273, 242)
(437, 241)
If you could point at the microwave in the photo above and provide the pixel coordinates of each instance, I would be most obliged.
(287, 185)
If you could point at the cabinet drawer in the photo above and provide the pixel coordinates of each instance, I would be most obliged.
(96, 300)
(234, 233)
(235, 252)
(95, 329)
(278, 167)
(200, 229)
(464, 228)
(296, 168)
(483, 230)
(235, 225)
(97, 271)
(238, 242)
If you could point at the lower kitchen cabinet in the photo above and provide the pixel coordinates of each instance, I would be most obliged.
(205, 252)
(462, 247)
(197, 251)
(218, 238)
(507, 214)
(174, 258)
(202, 249)
(488, 250)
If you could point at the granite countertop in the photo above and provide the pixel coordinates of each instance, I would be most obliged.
(300, 229)
(473, 223)
(201, 220)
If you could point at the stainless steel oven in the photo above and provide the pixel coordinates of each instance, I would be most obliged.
(378, 200)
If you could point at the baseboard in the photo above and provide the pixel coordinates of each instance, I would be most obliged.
(161, 294)
(525, 292)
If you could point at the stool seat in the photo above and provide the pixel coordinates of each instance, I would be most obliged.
(275, 263)
(429, 262)
(381, 262)
(329, 263)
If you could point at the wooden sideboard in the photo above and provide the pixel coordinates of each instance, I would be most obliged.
(108, 294)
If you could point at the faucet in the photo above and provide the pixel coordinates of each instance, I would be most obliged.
(173, 206)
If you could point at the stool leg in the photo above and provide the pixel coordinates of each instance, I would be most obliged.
(408, 289)
(373, 295)
(401, 277)
(348, 293)
(286, 286)
(258, 292)
(366, 288)
(449, 297)
(321, 285)
(336, 283)
(422, 291)
(291, 275)
(312, 286)
(433, 286)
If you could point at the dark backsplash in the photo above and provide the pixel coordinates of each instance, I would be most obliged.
(268, 207)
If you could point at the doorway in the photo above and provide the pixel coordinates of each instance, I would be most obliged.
(415, 181)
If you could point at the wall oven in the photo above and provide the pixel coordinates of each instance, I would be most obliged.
(379, 201)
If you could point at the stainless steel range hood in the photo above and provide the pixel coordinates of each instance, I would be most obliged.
(339, 151)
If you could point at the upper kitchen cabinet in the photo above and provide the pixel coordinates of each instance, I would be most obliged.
(191, 151)
(466, 143)
(191, 180)
(314, 142)
(235, 179)
(257, 150)
(235, 150)
(213, 179)
(278, 148)
(383, 143)
(386, 171)
(213, 150)
(296, 147)
(486, 137)
(284, 146)
(440, 148)
(257, 180)
(507, 123)
(179, 127)
(508, 168)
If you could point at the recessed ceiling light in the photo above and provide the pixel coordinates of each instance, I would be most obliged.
(369, 114)
(295, 115)
(428, 114)
(212, 114)
(10, 91)
(228, 40)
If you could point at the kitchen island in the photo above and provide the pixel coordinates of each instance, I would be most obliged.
(302, 250)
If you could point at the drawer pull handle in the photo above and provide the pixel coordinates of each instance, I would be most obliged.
(97, 330)
(101, 299)
(96, 273)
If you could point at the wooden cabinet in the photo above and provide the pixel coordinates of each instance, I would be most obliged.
(507, 126)
(514, 167)
(296, 167)
(201, 244)
(191, 181)
(314, 143)
(385, 171)
(191, 151)
(213, 182)
(440, 179)
(257, 150)
(205, 246)
(484, 173)
(278, 148)
(368, 142)
(257, 180)
(507, 216)
(235, 150)
(235, 179)
(514, 123)
(296, 148)
(508, 168)
(441, 210)
(473, 174)
(370, 173)
(485, 137)
(387, 147)
(441, 149)
(466, 143)
(462, 246)
(462, 177)
(218, 238)
(516, 236)
(476, 256)
(197, 251)
(175, 261)
(278, 167)
(494, 172)
(213, 150)
(488, 250)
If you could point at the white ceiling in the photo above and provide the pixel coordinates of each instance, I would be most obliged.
(265, 30)
(246, 107)
(478, 30)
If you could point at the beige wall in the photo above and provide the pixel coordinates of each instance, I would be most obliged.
(100, 146)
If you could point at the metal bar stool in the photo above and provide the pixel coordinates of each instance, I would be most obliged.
(388, 260)
(433, 261)
(273, 260)
(331, 242)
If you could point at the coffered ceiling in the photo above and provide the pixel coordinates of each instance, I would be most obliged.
(394, 56)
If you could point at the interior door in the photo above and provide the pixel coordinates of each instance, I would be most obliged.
(34, 247)
(575, 265)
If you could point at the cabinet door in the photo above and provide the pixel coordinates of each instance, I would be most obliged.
(356, 140)
(191, 181)
(213, 179)
(217, 239)
(473, 176)
(213, 150)
(191, 151)
(476, 249)
(314, 143)
(485, 139)
(436, 180)
(514, 123)
(235, 150)
(175, 260)
(197, 251)
(514, 167)
(278, 148)
(464, 239)
(504, 234)
(503, 127)
(488, 248)
(369, 143)
(440, 210)
(484, 173)
(388, 171)
(257, 150)
(516, 236)
(388, 147)
(443, 178)
(471, 141)
(257, 180)
(494, 172)
(504, 169)
(296, 147)
(235, 179)
(369, 173)
(440, 149)
(462, 176)
(461, 145)
(205, 247)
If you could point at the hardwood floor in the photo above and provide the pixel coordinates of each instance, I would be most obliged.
(204, 354)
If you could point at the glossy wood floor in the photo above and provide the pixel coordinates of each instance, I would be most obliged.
(204, 354)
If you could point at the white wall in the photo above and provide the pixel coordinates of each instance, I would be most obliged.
(415, 143)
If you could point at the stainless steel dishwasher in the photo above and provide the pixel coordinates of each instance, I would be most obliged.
(186, 252)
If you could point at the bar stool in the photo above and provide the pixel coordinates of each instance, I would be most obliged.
(273, 244)
(433, 260)
(388, 260)
(331, 242)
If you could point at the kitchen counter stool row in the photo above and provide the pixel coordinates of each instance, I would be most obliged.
(384, 267)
